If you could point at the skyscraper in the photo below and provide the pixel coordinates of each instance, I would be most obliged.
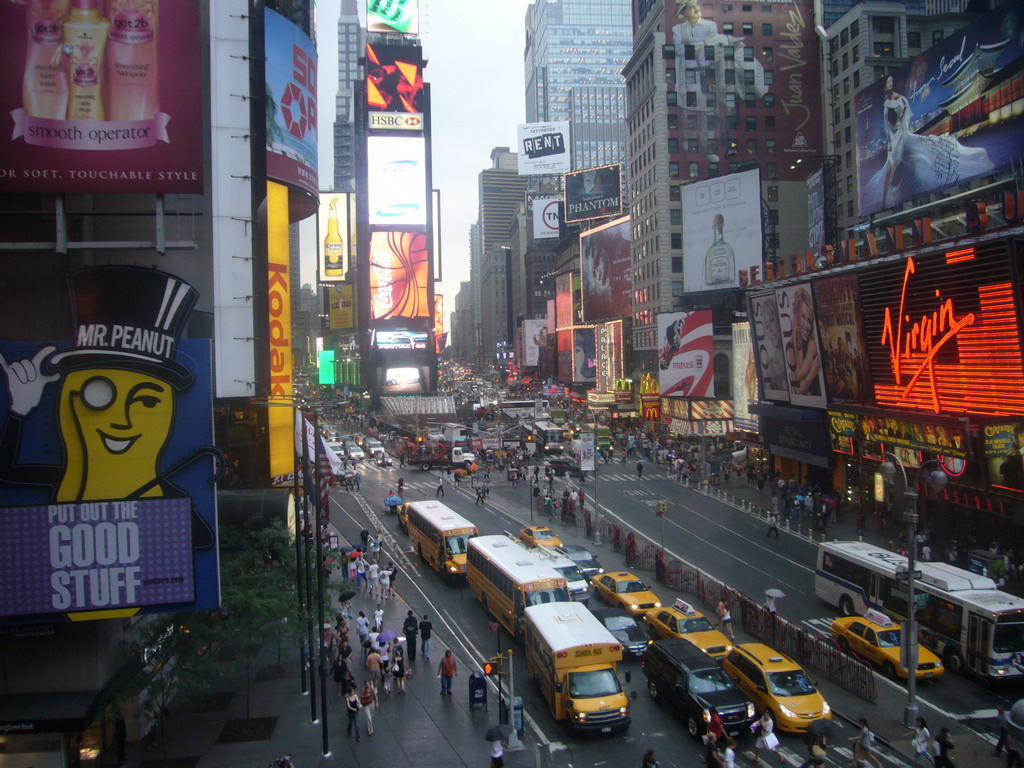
(350, 47)
(575, 52)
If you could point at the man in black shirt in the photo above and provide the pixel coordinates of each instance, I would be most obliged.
(425, 629)
(409, 629)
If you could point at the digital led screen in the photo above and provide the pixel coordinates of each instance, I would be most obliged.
(395, 340)
(396, 181)
(404, 381)
(394, 78)
(399, 270)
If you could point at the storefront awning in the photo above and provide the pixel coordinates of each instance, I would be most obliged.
(59, 712)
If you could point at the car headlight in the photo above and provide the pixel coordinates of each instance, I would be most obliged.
(657, 604)
(938, 664)
(581, 716)
(786, 711)
(751, 712)
(825, 708)
(707, 716)
(623, 711)
(728, 648)
(453, 568)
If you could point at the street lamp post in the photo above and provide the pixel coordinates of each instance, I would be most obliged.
(935, 480)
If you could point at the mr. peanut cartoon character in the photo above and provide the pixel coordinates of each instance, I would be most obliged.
(115, 411)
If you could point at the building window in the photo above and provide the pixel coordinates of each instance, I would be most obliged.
(937, 36)
(713, 168)
(730, 77)
(691, 120)
(730, 100)
(883, 25)
(673, 170)
(748, 77)
(691, 99)
(751, 121)
(844, 37)
(677, 265)
(673, 146)
(771, 193)
(769, 101)
(712, 145)
(692, 169)
(856, 78)
(727, 27)
(838, 139)
(749, 100)
(856, 54)
(711, 99)
(769, 146)
(767, 54)
(772, 170)
(846, 61)
(748, 53)
(674, 195)
(675, 216)
(691, 76)
(730, 54)
(847, 134)
(846, 111)
(748, 29)
(692, 146)
(670, 98)
(689, 52)
(751, 146)
(673, 122)
(769, 77)
(846, 86)
(835, 67)
(766, 30)
(676, 240)
(769, 123)
(855, 29)
(882, 48)
(849, 208)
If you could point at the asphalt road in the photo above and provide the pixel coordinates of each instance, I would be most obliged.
(706, 533)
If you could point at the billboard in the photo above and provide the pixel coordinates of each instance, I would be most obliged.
(535, 338)
(844, 349)
(109, 500)
(584, 356)
(399, 275)
(125, 115)
(393, 16)
(292, 148)
(334, 251)
(564, 341)
(280, 418)
(1003, 448)
(544, 148)
(394, 79)
(766, 336)
(610, 355)
(342, 307)
(389, 341)
(944, 118)
(396, 181)
(593, 193)
(686, 360)
(943, 332)
(545, 217)
(721, 230)
(605, 271)
(800, 342)
(816, 236)
(744, 378)
(720, 73)
(563, 301)
(440, 337)
(404, 380)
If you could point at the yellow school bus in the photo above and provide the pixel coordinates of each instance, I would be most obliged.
(438, 535)
(506, 578)
(572, 656)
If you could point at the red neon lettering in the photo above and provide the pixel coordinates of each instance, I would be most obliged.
(926, 336)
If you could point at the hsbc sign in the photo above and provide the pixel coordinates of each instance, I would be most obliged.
(396, 121)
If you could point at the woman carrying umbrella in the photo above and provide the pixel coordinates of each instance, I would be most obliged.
(771, 596)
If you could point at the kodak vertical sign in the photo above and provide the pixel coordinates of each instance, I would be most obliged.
(279, 417)
(943, 332)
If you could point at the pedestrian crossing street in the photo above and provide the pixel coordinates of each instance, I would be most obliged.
(417, 478)
(838, 755)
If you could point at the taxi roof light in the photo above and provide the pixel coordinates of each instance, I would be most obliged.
(684, 606)
(878, 618)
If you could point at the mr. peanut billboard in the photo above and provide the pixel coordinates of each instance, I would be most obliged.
(106, 458)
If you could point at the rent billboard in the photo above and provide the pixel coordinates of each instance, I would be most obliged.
(109, 500)
(604, 271)
(721, 230)
(543, 148)
(292, 148)
(948, 116)
(122, 115)
(594, 193)
(685, 360)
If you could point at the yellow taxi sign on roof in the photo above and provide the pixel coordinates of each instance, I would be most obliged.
(684, 606)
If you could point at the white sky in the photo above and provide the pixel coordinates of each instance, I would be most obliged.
(474, 50)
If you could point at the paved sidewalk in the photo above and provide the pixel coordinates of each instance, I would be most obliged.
(419, 729)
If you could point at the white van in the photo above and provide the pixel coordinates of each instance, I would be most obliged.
(570, 571)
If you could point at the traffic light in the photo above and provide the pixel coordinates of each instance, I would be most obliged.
(492, 666)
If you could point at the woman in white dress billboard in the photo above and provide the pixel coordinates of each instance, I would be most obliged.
(916, 165)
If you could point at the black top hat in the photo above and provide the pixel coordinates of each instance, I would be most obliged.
(130, 318)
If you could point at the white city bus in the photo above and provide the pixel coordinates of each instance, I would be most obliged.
(973, 626)
(506, 579)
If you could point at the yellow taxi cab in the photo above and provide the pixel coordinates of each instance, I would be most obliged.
(539, 536)
(626, 591)
(684, 621)
(777, 685)
(876, 638)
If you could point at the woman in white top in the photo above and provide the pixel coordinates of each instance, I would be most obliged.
(766, 738)
(922, 743)
(729, 754)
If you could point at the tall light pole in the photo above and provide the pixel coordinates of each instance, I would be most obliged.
(936, 480)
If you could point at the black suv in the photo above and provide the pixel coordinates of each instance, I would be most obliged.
(562, 467)
(689, 681)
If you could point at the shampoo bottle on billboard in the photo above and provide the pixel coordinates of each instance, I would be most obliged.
(720, 265)
(132, 82)
(44, 84)
(85, 40)
(334, 246)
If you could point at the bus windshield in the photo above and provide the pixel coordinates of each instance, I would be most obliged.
(457, 545)
(542, 596)
(586, 685)
(1009, 638)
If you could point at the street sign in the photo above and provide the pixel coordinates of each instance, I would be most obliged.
(662, 508)
(492, 626)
